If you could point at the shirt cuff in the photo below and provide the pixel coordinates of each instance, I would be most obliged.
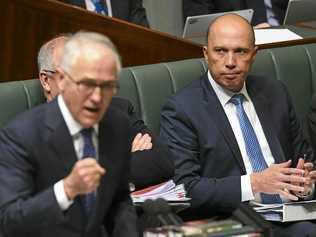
(246, 190)
(61, 196)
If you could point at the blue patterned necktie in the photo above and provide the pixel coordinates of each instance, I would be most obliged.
(88, 151)
(253, 148)
(100, 7)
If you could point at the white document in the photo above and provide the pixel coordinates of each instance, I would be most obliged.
(265, 36)
(291, 211)
(168, 191)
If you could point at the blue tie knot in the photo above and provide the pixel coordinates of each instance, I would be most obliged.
(237, 99)
(86, 132)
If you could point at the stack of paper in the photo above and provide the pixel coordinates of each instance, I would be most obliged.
(266, 36)
(291, 211)
(168, 191)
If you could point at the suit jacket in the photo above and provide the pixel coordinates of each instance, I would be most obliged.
(36, 152)
(201, 7)
(148, 167)
(128, 10)
(311, 122)
(206, 154)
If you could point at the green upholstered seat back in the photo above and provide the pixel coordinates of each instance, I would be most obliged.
(149, 86)
(18, 96)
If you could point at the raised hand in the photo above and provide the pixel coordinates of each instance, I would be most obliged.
(84, 178)
(141, 142)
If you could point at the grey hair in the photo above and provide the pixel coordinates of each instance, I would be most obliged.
(46, 53)
(78, 41)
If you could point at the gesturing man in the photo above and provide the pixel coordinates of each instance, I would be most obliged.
(64, 165)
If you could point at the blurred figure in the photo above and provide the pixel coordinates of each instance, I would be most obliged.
(64, 164)
(128, 10)
(151, 163)
(266, 12)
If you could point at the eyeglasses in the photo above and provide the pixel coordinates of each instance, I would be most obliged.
(88, 86)
(51, 72)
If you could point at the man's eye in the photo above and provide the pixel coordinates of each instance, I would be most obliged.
(219, 50)
(88, 84)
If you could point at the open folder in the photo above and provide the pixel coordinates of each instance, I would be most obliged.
(285, 212)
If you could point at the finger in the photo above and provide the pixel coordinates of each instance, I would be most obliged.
(292, 187)
(90, 170)
(294, 178)
(142, 142)
(309, 166)
(147, 143)
(101, 170)
(287, 195)
(283, 164)
(294, 171)
(135, 143)
(312, 175)
(86, 162)
(300, 163)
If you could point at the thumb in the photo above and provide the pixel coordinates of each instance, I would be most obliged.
(285, 164)
(300, 163)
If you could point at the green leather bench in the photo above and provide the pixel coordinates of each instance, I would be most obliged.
(149, 86)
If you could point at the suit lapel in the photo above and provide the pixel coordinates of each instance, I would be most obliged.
(262, 109)
(115, 8)
(218, 115)
(107, 161)
(59, 138)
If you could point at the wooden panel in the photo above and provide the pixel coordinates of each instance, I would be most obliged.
(27, 24)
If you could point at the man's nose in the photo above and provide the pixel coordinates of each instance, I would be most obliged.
(230, 60)
(96, 95)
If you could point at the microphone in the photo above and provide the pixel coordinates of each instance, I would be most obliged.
(151, 217)
(165, 210)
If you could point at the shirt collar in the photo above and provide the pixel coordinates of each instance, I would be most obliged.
(223, 94)
(73, 126)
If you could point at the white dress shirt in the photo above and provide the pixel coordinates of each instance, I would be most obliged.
(230, 111)
(90, 6)
(74, 129)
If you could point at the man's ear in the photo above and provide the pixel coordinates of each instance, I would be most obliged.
(254, 53)
(44, 81)
(205, 53)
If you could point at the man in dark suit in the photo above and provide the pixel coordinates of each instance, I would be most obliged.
(271, 11)
(235, 138)
(128, 10)
(151, 163)
(64, 165)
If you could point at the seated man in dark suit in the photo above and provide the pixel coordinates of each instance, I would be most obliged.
(150, 163)
(266, 12)
(64, 164)
(128, 10)
(235, 138)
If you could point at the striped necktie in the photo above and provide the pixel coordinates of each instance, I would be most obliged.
(100, 7)
(88, 151)
(253, 148)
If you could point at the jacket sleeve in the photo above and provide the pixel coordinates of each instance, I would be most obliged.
(207, 194)
(149, 167)
(22, 208)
